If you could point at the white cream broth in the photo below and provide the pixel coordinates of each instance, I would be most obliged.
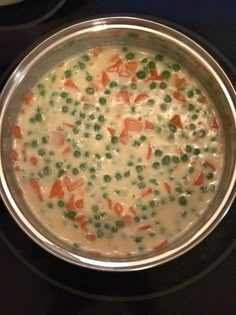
(118, 150)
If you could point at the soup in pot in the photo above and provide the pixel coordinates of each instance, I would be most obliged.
(118, 150)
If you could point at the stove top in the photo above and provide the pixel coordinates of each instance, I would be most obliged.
(203, 281)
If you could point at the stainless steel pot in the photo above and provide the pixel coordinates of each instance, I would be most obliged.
(146, 35)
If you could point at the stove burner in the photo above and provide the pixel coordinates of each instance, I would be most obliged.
(27, 13)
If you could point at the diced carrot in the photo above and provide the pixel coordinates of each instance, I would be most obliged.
(84, 225)
(66, 150)
(127, 218)
(118, 208)
(14, 155)
(140, 97)
(148, 125)
(75, 184)
(28, 98)
(79, 203)
(111, 131)
(124, 71)
(133, 210)
(71, 203)
(124, 137)
(161, 245)
(87, 98)
(214, 123)
(56, 188)
(211, 166)
(114, 58)
(90, 237)
(115, 67)
(57, 138)
(176, 120)
(180, 83)
(105, 79)
(146, 192)
(36, 187)
(17, 168)
(71, 84)
(179, 97)
(167, 187)
(109, 204)
(80, 218)
(144, 227)
(68, 124)
(124, 96)
(132, 124)
(199, 179)
(202, 99)
(34, 160)
(97, 84)
(97, 51)
(131, 67)
(154, 76)
(60, 194)
(67, 180)
(149, 152)
(17, 132)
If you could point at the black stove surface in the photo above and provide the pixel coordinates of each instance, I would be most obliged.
(202, 281)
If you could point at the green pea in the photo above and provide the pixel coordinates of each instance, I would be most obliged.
(143, 138)
(90, 90)
(68, 73)
(85, 58)
(138, 239)
(158, 152)
(100, 234)
(70, 215)
(162, 85)
(152, 85)
(156, 165)
(118, 176)
(82, 66)
(136, 219)
(163, 106)
(64, 95)
(167, 99)
(98, 137)
(77, 154)
(107, 226)
(41, 152)
(46, 171)
(151, 65)
(141, 75)
(166, 74)
(38, 117)
(113, 84)
(136, 143)
(107, 92)
(120, 224)
(166, 160)
(196, 151)
(98, 156)
(114, 229)
(108, 155)
(130, 56)
(60, 172)
(182, 201)
(61, 203)
(34, 143)
(172, 127)
(201, 133)
(192, 127)
(89, 78)
(159, 57)
(95, 208)
(188, 148)
(141, 185)
(75, 130)
(190, 93)
(44, 140)
(184, 157)
(102, 101)
(127, 174)
(59, 164)
(107, 178)
(209, 175)
(139, 168)
(75, 171)
(191, 170)
(65, 109)
(133, 86)
(144, 60)
(82, 115)
(176, 67)
(101, 118)
(96, 127)
(194, 116)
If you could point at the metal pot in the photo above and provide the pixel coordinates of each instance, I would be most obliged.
(145, 34)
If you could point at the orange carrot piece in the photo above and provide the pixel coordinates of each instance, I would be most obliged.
(127, 218)
(161, 245)
(124, 96)
(144, 227)
(71, 84)
(148, 125)
(111, 131)
(56, 188)
(17, 132)
(90, 237)
(176, 120)
(140, 97)
(124, 137)
(131, 67)
(118, 208)
(211, 166)
(202, 99)
(214, 123)
(179, 97)
(34, 160)
(154, 76)
(28, 98)
(71, 203)
(167, 187)
(57, 138)
(105, 79)
(66, 150)
(146, 192)
(199, 179)
(132, 210)
(75, 185)
(68, 124)
(80, 218)
(132, 124)
(79, 203)
(97, 51)
(180, 83)
(14, 155)
(149, 152)
(36, 187)
(115, 67)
